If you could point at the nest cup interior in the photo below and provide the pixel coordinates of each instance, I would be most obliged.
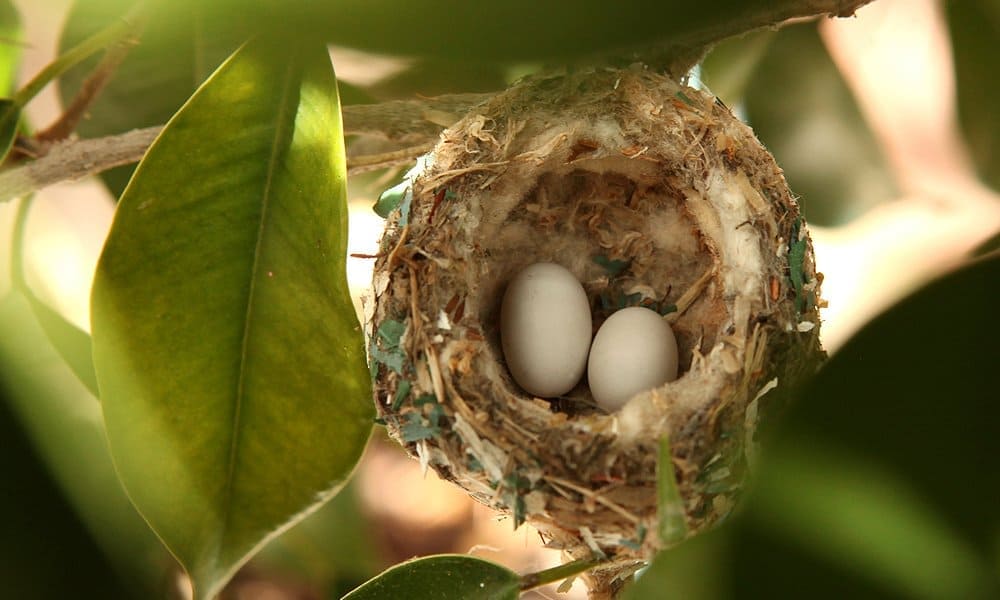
(628, 240)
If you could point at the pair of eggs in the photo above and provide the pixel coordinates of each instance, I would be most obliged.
(545, 329)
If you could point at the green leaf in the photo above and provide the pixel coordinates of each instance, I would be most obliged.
(857, 516)
(416, 428)
(49, 532)
(72, 343)
(64, 426)
(924, 376)
(176, 52)
(10, 118)
(230, 360)
(514, 30)
(10, 46)
(879, 483)
(454, 577)
(690, 571)
(447, 75)
(385, 348)
(333, 549)
(975, 29)
(672, 527)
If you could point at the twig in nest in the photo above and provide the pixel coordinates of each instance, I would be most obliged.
(373, 162)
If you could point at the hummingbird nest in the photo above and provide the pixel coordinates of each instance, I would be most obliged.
(652, 194)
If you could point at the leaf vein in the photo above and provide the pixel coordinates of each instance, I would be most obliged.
(279, 135)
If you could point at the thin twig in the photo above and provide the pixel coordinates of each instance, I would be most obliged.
(73, 160)
(409, 122)
(79, 158)
(100, 40)
(67, 122)
(370, 162)
(408, 125)
(557, 573)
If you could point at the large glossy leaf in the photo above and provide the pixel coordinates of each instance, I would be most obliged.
(512, 30)
(229, 358)
(975, 29)
(880, 482)
(176, 52)
(433, 77)
(72, 344)
(46, 531)
(454, 577)
(43, 550)
(695, 570)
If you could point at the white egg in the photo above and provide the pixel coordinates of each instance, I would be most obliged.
(634, 350)
(545, 329)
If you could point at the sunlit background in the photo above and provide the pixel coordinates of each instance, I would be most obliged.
(861, 113)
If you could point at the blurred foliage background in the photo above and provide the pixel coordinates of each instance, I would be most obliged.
(880, 483)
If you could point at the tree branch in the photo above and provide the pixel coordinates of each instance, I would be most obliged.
(408, 128)
(409, 122)
(73, 160)
(405, 128)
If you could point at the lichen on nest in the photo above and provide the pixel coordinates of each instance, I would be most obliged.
(652, 194)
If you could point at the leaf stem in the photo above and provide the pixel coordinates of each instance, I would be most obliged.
(534, 580)
(92, 87)
(111, 34)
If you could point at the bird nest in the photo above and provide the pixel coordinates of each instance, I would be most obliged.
(652, 194)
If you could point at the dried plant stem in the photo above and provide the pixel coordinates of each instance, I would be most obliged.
(557, 573)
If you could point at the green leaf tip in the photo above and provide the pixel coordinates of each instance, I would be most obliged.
(613, 267)
(796, 261)
(69, 341)
(672, 526)
(229, 356)
(180, 45)
(384, 347)
(392, 198)
(400, 196)
(451, 576)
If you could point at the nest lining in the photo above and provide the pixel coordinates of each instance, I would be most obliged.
(651, 194)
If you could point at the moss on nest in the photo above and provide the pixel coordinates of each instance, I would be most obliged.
(652, 194)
